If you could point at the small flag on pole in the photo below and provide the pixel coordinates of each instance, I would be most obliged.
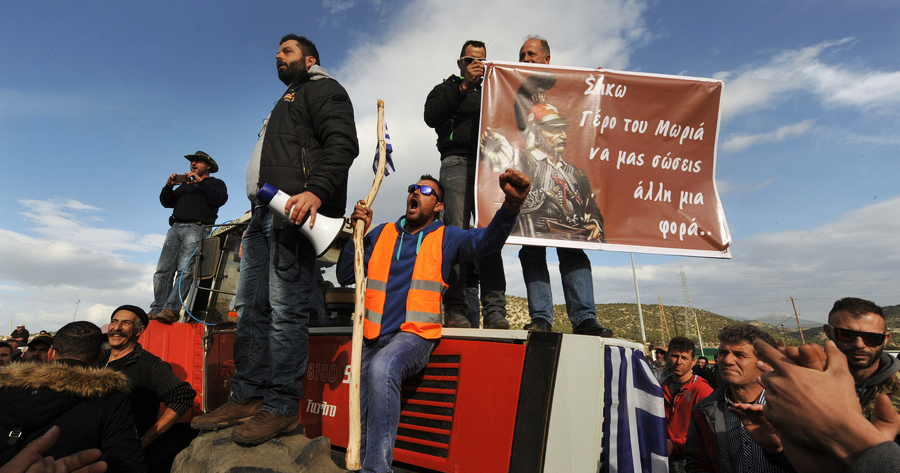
(387, 145)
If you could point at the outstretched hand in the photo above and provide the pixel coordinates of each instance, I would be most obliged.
(32, 460)
(811, 400)
(515, 185)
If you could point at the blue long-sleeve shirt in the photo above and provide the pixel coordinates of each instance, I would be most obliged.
(459, 245)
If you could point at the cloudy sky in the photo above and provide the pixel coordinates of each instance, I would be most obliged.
(99, 101)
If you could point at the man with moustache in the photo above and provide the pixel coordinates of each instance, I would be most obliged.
(408, 266)
(453, 109)
(195, 198)
(858, 328)
(717, 440)
(152, 381)
(305, 149)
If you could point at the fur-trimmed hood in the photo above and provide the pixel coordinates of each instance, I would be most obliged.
(80, 381)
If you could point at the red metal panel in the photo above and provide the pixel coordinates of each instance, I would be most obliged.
(457, 416)
(181, 345)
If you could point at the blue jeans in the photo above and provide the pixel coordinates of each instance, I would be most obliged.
(458, 178)
(272, 303)
(578, 288)
(386, 362)
(176, 258)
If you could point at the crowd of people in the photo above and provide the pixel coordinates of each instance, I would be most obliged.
(82, 390)
(758, 409)
(790, 409)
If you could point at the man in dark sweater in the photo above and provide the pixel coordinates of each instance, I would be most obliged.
(152, 381)
(195, 197)
(453, 109)
(20, 335)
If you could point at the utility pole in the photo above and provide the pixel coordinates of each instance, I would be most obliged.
(797, 316)
(784, 332)
(76, 309)
(637, 294)
(688, 303)
(662, 320)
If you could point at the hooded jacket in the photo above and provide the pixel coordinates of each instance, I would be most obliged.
(885, 380)
(308, 142)
(457, 245)
(89, 405)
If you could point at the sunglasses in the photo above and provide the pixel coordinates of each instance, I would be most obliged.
(470, 59)
(849, 336)
(424, 190)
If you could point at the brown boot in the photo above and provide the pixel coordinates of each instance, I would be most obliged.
(226, 415)
(165, 316)
(263, 426)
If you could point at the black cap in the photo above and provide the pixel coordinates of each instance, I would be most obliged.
(201, 156)
(134, 309)
(41, 338)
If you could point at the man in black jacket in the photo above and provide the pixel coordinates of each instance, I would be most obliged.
(195, 202)
(305, 149)
(89, 405)
(453, 109)
(152, 381)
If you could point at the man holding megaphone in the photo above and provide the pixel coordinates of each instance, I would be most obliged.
(305, 149)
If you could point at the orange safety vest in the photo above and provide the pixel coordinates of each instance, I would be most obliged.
(423, 303)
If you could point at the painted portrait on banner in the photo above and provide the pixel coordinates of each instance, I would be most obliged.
(619, 161)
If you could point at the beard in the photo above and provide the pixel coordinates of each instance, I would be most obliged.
(292, 71)
(863, 364)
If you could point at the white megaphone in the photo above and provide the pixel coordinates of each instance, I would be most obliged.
(329, 235)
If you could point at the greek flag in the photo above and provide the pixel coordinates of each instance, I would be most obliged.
(634, 420)
(389, 149)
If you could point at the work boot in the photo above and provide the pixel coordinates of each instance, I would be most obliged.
(165, 316)
(591, 327)
(263, 426)
(226, 415)
(496, 320)
(538, 324)
(458, 321)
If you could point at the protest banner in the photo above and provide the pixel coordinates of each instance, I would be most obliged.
(619, 161)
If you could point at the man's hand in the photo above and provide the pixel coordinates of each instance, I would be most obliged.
(515, 185)
(171, 180)
(31, 459)
(596, 232)
(361, 212)
(495, 148)
(472, 75)
(301, 204)
(196, 178)
(758, 428)
(818, 411)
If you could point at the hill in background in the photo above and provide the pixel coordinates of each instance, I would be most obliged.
(623, 319)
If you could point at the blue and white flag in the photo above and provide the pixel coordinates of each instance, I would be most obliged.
(634, 419)
(389, 149)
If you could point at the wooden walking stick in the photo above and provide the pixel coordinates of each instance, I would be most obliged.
(355, 431)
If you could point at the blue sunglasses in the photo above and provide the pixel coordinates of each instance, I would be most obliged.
(424, 190)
